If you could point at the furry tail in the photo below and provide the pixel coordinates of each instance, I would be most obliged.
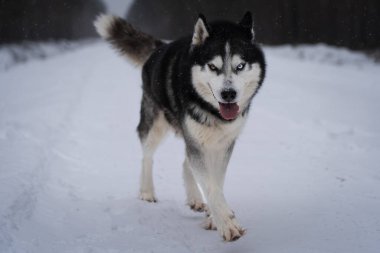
(135, 45)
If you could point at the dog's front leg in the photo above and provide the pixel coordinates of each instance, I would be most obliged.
(209, 167)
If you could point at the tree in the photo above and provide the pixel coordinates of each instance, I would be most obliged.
(350, 23)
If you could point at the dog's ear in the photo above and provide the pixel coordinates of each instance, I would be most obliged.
(247, 22)
(201, 31)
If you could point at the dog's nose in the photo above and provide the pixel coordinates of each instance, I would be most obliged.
(228, 95)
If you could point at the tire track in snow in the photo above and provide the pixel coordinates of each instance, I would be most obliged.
(43, 136)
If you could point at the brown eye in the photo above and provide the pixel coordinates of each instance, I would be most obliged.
(212, 67)
(240, 67)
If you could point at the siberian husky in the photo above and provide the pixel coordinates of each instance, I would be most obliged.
(200, 86)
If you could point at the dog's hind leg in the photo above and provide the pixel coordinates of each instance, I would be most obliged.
(194, 196)
(152, 129)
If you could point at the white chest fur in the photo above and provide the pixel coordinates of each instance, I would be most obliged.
(218, 136)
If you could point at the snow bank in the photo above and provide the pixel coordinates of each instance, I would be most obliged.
(323, 54)
(13, 54)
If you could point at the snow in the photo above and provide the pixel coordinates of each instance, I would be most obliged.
(13, 54)
(304, 176)
(324, 54)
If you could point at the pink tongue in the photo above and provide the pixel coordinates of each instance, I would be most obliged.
(228, 111)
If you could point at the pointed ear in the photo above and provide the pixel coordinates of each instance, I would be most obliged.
(201, 31)
(247, 22)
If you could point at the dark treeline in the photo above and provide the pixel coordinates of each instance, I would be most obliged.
(350, 23)
(38, 20)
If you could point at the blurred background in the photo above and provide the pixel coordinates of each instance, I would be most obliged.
(345, 23)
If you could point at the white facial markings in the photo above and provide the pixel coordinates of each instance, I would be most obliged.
(217, 62)
(227, 61)
(202, 82)
(236, 60)
(210, 83)
(247, 81)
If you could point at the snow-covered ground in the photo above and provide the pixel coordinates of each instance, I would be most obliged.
(304, 177)
(13, 54)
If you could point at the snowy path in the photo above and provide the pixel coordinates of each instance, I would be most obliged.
(304, 176)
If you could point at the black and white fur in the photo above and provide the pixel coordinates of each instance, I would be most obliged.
(190, 86)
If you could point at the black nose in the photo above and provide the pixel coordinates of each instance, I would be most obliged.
(228, 95)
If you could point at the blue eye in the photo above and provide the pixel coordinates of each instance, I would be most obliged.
(240, 67)
(212, 67)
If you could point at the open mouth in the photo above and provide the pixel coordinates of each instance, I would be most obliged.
(228, 111)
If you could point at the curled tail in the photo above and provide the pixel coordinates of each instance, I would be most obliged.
(135, 45)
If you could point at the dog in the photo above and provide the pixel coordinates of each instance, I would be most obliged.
(200, 86)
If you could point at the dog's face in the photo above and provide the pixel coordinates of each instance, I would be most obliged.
(228, 67)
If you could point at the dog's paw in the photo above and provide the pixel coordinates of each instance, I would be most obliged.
(149, 197)
(231, 230)
(208, 224)
(197, 206)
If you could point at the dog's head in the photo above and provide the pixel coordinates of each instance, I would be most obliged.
(228, 67)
